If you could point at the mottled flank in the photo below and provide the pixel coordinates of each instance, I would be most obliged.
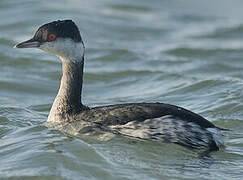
(182, 52)
(148, 121)
(151, 121)
(172, 130)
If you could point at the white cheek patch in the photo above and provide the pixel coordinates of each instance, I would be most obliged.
(48, 47)
(66, 49)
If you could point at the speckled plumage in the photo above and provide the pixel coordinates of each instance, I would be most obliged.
(150, 121)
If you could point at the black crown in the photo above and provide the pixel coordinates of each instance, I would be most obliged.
(61, 28)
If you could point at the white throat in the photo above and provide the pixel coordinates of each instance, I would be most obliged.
(68, 99)
(66, 49)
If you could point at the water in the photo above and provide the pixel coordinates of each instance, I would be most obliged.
(187, 53)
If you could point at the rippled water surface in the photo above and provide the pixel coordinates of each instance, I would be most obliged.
(183, 52)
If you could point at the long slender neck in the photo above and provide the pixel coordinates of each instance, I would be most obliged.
(68, 100)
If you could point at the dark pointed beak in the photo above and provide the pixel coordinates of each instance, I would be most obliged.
(32, 43)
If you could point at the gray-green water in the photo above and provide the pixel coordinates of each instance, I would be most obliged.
(183, 52)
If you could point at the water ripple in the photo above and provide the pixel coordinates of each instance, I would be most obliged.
(136, 51)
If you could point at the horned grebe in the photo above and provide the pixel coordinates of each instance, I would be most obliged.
(149, 121)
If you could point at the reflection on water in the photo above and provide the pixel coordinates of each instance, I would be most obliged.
(187, 53)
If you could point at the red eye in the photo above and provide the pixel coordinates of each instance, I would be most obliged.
(51, 37)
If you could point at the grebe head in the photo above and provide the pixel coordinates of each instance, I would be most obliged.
(61, 38)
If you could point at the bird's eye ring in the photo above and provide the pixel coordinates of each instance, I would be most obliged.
(51, 37)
